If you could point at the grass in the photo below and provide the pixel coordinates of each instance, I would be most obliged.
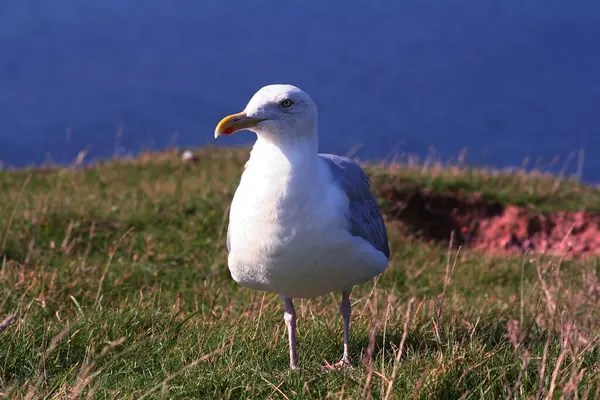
(116, 277)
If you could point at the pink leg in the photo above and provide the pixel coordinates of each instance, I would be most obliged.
(345, 311)
(290, 321)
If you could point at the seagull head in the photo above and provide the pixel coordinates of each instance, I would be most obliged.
(275, 111)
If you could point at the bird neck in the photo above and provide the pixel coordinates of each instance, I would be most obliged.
(283, 160)
(296, 150)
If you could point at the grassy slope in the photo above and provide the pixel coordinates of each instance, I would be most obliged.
(117, 278)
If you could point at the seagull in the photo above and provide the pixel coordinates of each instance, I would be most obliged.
(301, 224)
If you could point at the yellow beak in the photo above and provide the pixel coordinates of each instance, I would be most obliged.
(235, 122)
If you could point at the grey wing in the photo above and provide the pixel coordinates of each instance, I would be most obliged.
(365, 218)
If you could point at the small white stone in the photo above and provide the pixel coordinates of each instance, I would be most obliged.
(187, 156)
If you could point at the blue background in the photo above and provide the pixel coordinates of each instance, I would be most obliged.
(508, 80)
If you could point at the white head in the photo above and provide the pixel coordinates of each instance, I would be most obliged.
(276, 112)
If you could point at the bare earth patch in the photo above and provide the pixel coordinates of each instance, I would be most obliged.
(487, 225)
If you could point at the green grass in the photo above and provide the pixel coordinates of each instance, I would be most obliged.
(116, 276)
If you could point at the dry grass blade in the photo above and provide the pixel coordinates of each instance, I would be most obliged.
(543, 367)
(184, 369)
(275, 387)
(110, 258)
(526, 358)
(87, 373)
(561, 358)
(12, 214)
(368, 358)
(448, 275)
(42, 375)
(407, 318)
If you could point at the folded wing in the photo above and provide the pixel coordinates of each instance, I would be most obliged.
(364, 216)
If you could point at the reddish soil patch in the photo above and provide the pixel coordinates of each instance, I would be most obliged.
(489, 226)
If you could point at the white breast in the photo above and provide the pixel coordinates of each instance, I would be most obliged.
(288, 230)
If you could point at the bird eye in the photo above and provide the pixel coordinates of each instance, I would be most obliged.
(287, 103)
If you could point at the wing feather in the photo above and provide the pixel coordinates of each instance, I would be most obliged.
(364, 217)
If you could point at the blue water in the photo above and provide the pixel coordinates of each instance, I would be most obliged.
(508, 80)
